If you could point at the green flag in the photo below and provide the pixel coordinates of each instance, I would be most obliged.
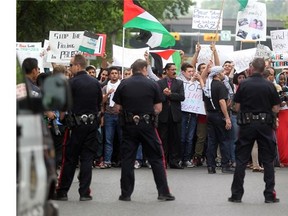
(243, 4)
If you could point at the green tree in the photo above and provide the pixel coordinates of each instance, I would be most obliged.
(36, 18)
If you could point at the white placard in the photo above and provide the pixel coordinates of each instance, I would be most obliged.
(207, 19)
(63, 45)
(30, 49)
(263, 51)
(224, 53)
(279, 40)
(193, 102)
(242, 58)
(252, 22)
(128, 57)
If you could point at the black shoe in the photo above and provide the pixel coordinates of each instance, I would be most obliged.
(229, 170)
(232, 199)
(211, 170)
(61, 196)
(166, 197)
(176, 165)
(123, 198)
(86, 198)
(275, 200)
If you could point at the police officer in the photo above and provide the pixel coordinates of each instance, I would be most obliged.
(258, 102)
(87, 98)
(139, 100)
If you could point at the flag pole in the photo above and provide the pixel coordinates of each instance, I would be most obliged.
(217, 27)
(123, 46)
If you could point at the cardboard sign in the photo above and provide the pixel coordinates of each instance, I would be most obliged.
(207, 19)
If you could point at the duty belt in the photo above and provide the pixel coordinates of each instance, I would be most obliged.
(131, 118)
(85, 119)
(247, 118)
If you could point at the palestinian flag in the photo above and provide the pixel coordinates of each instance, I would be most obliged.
(137, 17)
(162, 57)
(89, 42)
(243, 4)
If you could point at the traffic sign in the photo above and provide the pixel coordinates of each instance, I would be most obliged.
(211, 37)
(176, 35)
(225, 35)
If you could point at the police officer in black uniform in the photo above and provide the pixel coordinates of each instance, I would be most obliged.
(139, 101)
(87, 98)
(257, 102)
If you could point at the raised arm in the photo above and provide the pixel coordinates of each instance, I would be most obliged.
(151, 75)
(195, 56)
(215, 54)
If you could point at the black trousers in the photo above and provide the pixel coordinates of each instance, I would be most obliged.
(170, 134)
(264, 135)
(147, 135)
(80, 146)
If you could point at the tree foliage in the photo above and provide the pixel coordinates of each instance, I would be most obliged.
(36, 18)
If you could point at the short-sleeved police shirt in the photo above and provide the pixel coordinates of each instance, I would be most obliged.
(86, 94)
(138, 94)
(257, 95)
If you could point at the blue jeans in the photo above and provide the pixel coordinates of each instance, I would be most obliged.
(189, 122)
(139, 155)
(234, 136)
(112, 126)
(217, 134)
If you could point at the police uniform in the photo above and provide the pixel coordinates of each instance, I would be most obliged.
(137, 96)
(256, 97)
(87, 98)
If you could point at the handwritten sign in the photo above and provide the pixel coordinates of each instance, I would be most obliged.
(29, 49)
(206, 19)
(263, 51)
(63, 45)
(252, 22)
(193, 102)
(242, 58)
(279, 40)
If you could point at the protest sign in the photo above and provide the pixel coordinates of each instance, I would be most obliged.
(63, 45)
(193, 98)
(127, 56)
(242, 58)
(279, 40)
(29, 49)
(206, 19)
(252, 22)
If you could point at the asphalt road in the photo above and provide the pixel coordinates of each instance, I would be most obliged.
(197, 193)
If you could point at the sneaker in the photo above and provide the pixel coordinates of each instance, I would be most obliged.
(188, 164)
(97, 164)
(148, 164)
(197, 161)
(137, 164)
